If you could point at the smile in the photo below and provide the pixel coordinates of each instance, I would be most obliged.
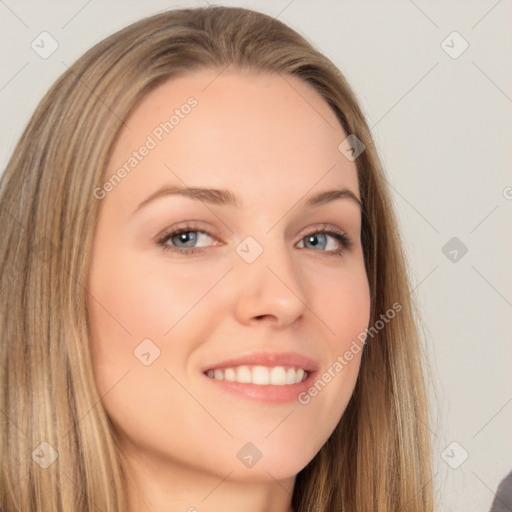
(260, 375)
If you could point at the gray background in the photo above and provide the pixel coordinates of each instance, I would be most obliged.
(443, 128)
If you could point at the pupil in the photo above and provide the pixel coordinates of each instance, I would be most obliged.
(186, 237)
(311, 239)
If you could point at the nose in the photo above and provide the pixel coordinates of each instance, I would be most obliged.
(271, 289)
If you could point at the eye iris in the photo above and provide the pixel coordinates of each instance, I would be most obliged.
(185, 237)
(311, 238)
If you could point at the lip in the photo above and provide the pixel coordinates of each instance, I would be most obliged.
(267, 359)
(267, 393)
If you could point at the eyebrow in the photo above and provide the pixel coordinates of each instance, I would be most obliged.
(227, 198)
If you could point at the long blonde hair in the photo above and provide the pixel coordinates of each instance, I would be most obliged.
(378, 457)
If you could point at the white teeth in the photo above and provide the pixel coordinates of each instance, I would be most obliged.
(230, 375)
(278, 376)
(244, 375)
(260, 375)
(300, 374)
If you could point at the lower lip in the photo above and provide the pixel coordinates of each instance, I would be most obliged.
(268, 394)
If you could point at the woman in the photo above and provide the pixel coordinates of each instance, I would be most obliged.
(251, 371)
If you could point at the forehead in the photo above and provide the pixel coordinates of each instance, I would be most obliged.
(257, 133)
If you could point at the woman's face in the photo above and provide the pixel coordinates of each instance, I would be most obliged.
(252, 275)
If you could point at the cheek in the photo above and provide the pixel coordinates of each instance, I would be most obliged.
(136, 311)
(347, 312)
(131, 302)
(136, 302)
(342, 300)
(343, 306)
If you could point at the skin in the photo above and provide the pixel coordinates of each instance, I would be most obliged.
(271, 142)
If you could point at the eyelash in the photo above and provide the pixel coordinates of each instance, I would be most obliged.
(345, 242)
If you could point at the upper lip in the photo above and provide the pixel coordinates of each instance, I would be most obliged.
(267, 359)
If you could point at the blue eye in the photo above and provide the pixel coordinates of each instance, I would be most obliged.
(320, 239)
(188, 238)
(183, 239)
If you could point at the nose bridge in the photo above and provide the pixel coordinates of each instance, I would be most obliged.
(269, 282)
